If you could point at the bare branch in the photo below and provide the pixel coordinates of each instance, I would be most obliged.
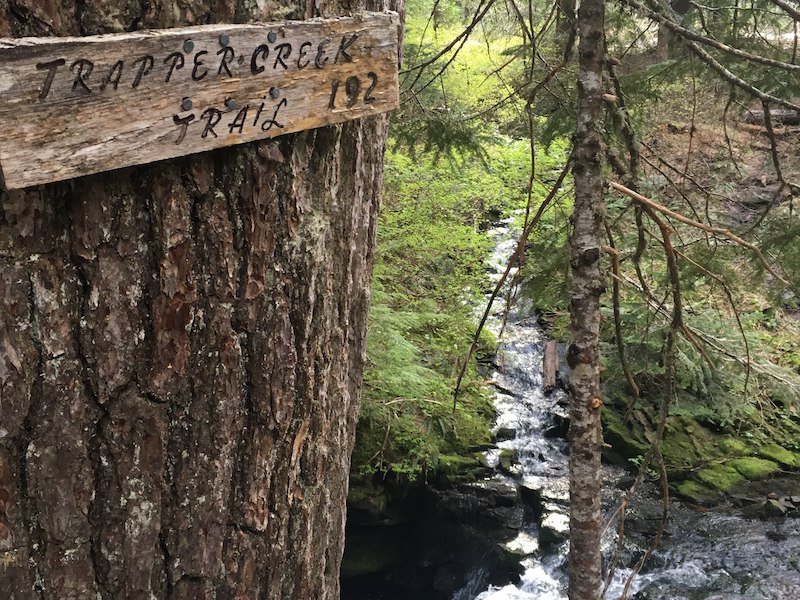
(709, 228)
(511, 261)
(688, 34)
(788, 9)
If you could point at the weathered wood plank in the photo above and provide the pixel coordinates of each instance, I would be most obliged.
(550, 366)
(780, 116)
(75, 106)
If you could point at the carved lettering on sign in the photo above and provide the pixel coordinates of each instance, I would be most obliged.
(104, 102)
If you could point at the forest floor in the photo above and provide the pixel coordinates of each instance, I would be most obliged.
(723, 172)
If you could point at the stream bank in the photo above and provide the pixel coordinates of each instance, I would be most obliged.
(493, 526)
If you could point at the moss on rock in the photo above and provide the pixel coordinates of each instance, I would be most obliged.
(780, 455)
(754, 468)
(687, 443)
(732, 446)
(461, 469)
(697, 492)
(721, 477)
(624, 443)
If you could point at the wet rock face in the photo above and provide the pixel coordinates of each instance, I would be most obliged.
(435, 537)
(771, 507)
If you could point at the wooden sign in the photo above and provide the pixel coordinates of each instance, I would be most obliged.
(75, 106)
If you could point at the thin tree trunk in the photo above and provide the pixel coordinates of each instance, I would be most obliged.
(663, 42)
(181, 349)
(587, 284)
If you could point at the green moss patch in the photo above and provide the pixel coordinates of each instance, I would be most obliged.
(754, 468)
(721, 477)
(461, 469)
(623, 442)
(732, 446)
(687, 443)
(697, 492)
(780, 455)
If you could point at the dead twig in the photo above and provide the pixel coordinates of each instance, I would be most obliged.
(702, 226)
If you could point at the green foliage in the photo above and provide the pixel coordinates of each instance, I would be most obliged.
(737, 363)
(429, 274)
(456, 105)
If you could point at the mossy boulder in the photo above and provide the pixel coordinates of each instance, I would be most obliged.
(461, 469)
(780, 455)
(754, 468)
(732, 446)
(710, 481)
(687, 443)
(508, 461)
(623, 441)
(703, 462)
(722, 478)
(697, 492)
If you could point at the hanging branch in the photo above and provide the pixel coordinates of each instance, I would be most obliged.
(459, 40)
(655, 449)
(714, 63)
(520, 249)
(709, 228)
(688, 34)
(773, 143)
(676, 324)
(615, 298)
(776, 162)
(731, 99)
(732, 304)
(788, 8)
(692, 127)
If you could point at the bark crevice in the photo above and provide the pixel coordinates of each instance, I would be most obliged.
(37, 541)
(194, 350)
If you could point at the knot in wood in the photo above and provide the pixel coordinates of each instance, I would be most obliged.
(577, 356)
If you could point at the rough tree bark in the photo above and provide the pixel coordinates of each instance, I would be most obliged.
(585, 436)
(181, 350)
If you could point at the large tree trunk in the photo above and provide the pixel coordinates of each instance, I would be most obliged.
(585, 435)
(181, 349)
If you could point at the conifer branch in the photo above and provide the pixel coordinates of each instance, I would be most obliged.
(702, 226)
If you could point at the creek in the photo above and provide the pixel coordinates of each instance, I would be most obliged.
(506, 538)
(717, 554)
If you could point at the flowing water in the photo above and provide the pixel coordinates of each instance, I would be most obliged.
(717, 555)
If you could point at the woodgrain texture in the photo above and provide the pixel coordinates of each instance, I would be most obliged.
(75, 106)
(550, 366)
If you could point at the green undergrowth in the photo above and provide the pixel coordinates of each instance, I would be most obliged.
(734, 403)
(430, 274)
(455, 166)
(430, 285)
